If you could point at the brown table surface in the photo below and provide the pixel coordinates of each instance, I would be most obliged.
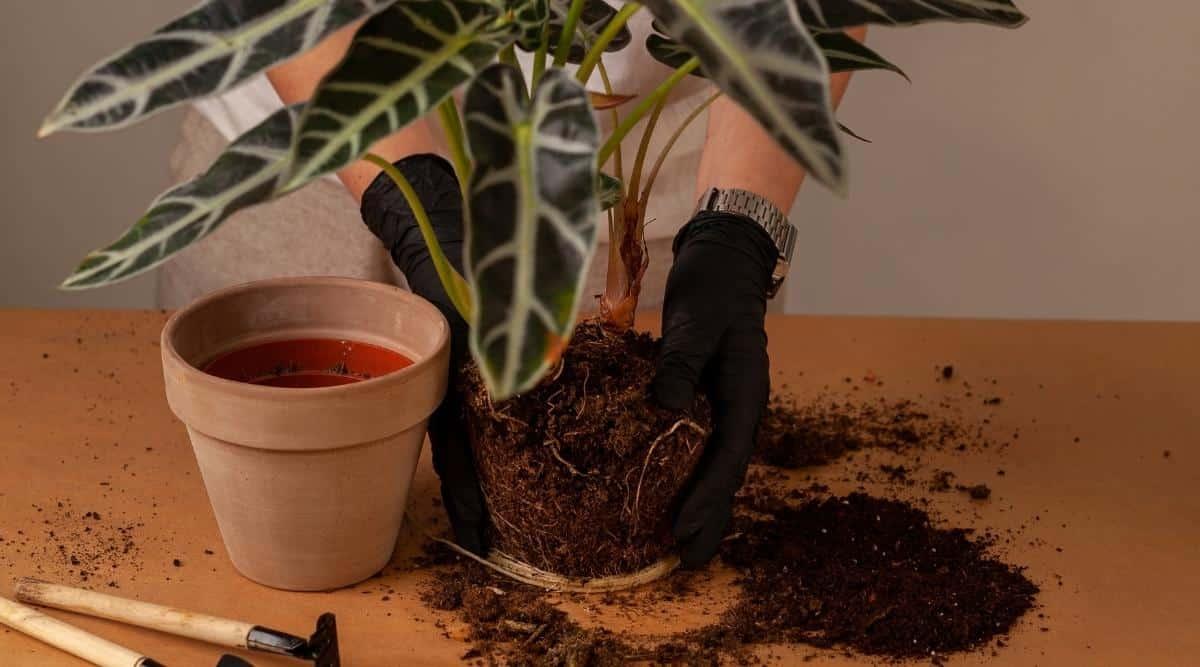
(83, 421)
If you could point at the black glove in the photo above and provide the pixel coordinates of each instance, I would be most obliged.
(713, 339)
(389, 217)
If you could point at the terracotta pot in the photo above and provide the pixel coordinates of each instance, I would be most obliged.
(308, 485)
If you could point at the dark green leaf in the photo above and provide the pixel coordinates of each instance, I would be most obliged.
(854, 134)
(596, 16)
(847, 13)
(402, 63)
(210, 49)
(760, 55)
(531, 229)
(608, 191)
(247, 173)
(846, 54)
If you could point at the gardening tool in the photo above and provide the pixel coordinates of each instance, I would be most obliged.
(321, 647)
(69, 638)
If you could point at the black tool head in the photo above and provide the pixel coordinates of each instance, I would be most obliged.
(323, 645)
(228, 660)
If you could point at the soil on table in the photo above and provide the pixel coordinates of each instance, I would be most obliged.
(858, 572)
(581, 473)
(877, 576)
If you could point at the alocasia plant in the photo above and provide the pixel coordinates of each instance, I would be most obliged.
(529, 154)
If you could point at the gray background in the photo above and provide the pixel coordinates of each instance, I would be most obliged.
(1045, 172)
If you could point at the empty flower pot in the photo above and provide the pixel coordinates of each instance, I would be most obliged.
(308, 484)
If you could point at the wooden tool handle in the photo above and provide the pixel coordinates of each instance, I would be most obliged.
(67, 637)
(211, 629)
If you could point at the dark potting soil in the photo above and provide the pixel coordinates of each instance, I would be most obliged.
(855, 572)
(580, 473)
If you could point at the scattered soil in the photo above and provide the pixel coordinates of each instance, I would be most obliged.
(79, 547)
(796, 435)
(868, 574)
(580, 473)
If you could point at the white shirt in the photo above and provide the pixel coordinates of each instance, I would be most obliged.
(631, 71)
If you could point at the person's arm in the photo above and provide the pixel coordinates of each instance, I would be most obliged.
(714, 311)
(297, 79)
(738, 153)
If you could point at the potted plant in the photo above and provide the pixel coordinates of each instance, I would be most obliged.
(535, 174)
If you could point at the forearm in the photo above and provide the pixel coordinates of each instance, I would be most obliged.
(739, 153)
(297, 79)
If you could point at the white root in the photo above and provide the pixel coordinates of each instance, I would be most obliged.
(637, 496)
(525, 573)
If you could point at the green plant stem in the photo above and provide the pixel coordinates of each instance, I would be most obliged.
(453, 282)
(607, 35)
(635, 175)
(539, 56)
(643, 107)
(662, 156)
(616, 122)
(453, 129)
(568, 32)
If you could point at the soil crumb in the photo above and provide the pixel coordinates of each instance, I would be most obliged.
(580, 473)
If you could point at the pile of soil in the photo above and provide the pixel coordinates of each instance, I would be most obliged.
(872, 574)
(868, 574)
(581, 473)
(876, 576)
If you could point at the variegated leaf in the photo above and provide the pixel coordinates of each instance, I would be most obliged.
(247, 173)
(608, 191)
(842, 52)
(210, 49)
(847, 13)
(531, 229)
(402, 63)
(595, 17)
(760, 55)
(846, 54)
(530, 16)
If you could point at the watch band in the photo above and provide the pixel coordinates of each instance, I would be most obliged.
(763, 212)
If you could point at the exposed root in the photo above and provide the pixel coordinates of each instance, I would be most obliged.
(557, 455)
(501, 563)
(637, 496)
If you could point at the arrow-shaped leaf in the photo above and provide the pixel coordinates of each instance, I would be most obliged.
(595, 17)
(531, 230)
(846, 54)
(759, 54)
(842, 52)
(530, 16)
(402, 63)
(212, 48)
(847, 13)
(247, 173)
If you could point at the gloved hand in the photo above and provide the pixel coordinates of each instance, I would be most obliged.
(389, 217)
(713, 340)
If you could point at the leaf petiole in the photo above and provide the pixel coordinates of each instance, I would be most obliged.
(453, 282)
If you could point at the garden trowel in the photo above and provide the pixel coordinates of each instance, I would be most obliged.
(321, 647)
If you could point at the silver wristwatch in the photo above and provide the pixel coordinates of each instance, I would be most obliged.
(758, 209)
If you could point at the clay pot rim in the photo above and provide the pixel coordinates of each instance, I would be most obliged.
(245, 388)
